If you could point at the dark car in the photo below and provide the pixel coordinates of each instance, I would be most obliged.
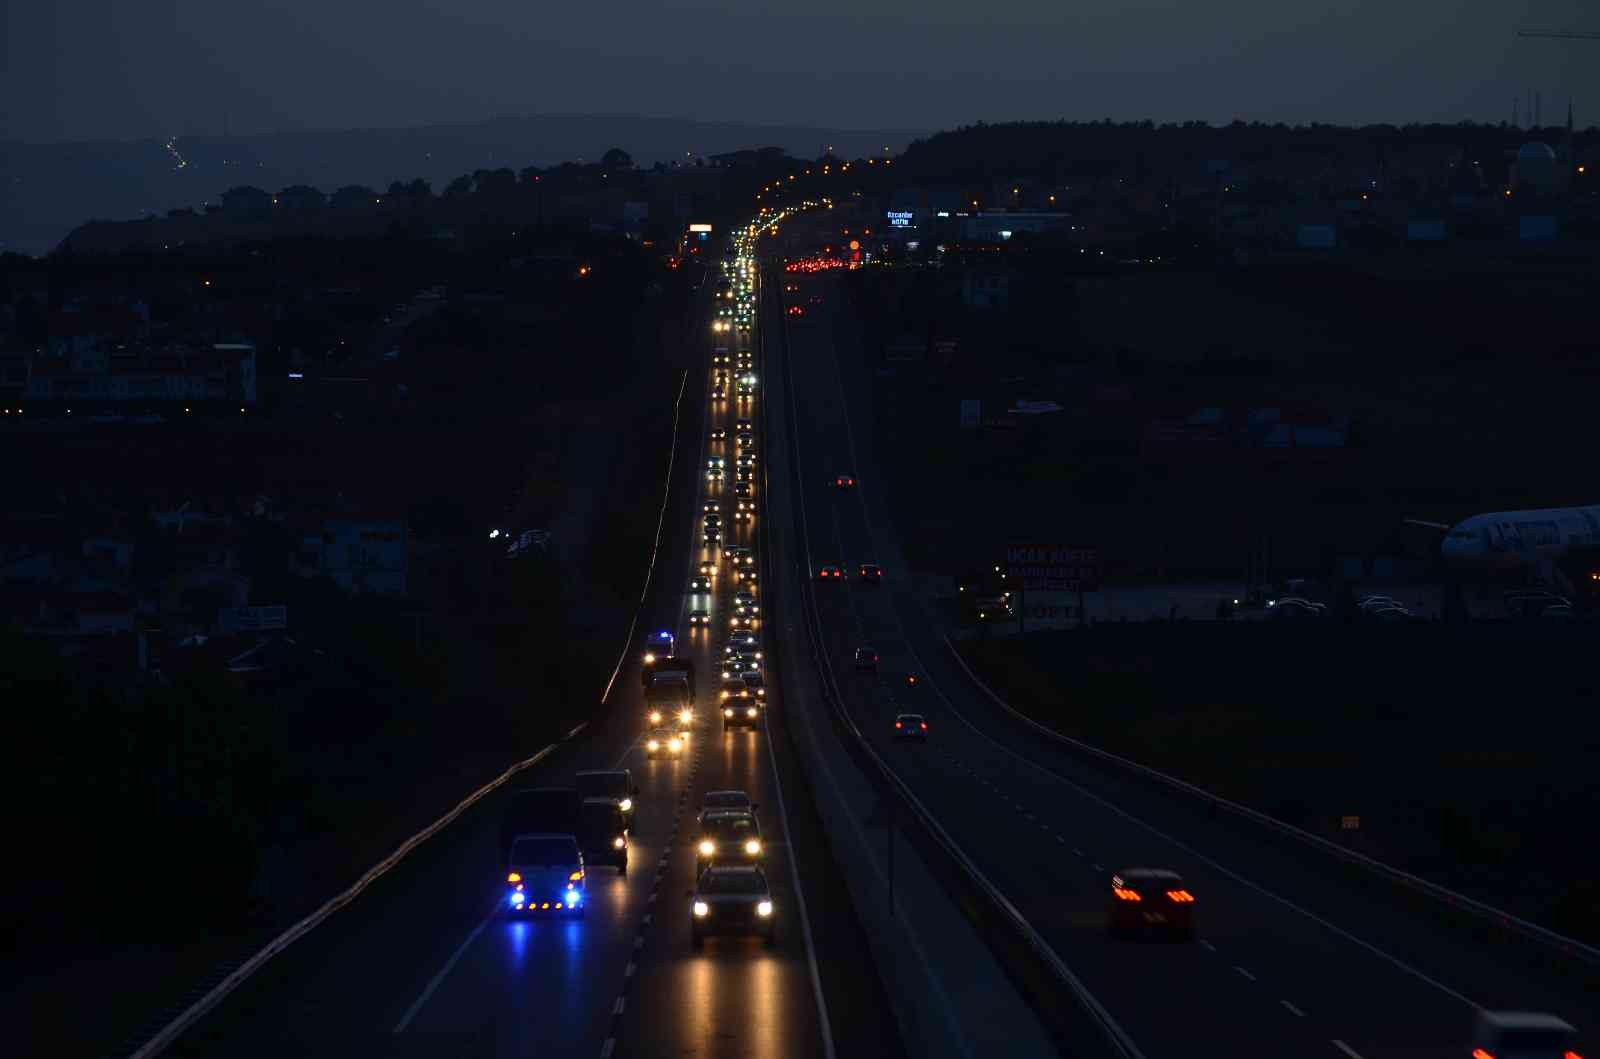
(732, 900)
(911, 726)
(1150, 901)
(844, 481)
(728, 837)
(830, 572)
(866, 660)
(603, 834)
(615, 784)
(870, 573)
(743, 490)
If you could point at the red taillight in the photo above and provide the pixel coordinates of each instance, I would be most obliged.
(924, 726)
(1479, 1053)
(1182, 897)
(897, 724)
(1571, 1055)
(1125, 895)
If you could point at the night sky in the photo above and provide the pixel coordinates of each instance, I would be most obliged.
(91, 69)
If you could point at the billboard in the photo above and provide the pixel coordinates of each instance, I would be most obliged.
(700, 227)
(900, 218)
(1053, 568)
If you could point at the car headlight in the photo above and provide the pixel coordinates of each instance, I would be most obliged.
(702, 909)
(652, 745)
(514, 877)
(752, 847)
(707, 848)
(618, 842)
(685, 716)
(673, 745)
(751, 712)
(727, 713)
(764, 909)
(655, 716)
(649, 659)
(626, 805)
(576, 876)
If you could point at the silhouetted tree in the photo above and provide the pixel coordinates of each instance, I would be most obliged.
(352, 196)
(616, 158)
(459, 188)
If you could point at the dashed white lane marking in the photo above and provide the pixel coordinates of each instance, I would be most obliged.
(434, 982)
(607, 1048)
(647, 919)
(1346, 1049)
(1096, 867)
(638, 942)
(617, 1009)
(1208, 945)
(1246, 973)
(627, 972)
(1298, 1013)
(651, 899)
(1075, 849)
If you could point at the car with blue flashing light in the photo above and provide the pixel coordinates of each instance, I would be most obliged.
(659, 645)
(545, 875)
(732, 900)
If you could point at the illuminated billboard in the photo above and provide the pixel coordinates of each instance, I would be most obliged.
(699, 227)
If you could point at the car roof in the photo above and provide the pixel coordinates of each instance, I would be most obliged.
(742, 794)
(1524, 1020)
(1140, 874)
(664, 733)
(609, 803)
(908, 716)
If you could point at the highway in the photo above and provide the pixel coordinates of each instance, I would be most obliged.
(1288, 960)
(425, 963)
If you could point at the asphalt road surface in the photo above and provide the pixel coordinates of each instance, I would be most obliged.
(423, 963)
(1288, 959)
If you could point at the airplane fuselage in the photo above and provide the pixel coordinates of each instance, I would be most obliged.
(1522, 538)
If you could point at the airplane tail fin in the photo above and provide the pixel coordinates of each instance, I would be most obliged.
(1442, 527)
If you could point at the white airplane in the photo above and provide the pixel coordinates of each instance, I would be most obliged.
(1507, 539)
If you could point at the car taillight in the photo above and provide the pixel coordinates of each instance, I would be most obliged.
(514, 877)
(897, 724)
(1479, 1053)
(1182, 897)
(924, 726)
(1126, 895)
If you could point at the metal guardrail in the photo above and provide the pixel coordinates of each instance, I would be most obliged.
(1478, 909)
(1035, 969)
(175, 1028)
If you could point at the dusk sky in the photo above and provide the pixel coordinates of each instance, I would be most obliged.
(91, 69)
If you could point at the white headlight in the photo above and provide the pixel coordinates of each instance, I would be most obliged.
(701, 908)
(618, 842)
(727, 713)
(752, 847)
(625, 805)
(764, 908)
(708, 847)
(653, 745)
(751, 712)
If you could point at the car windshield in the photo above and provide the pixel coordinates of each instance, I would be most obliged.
(544, 852)
(732, 828)
(726, 800)
(603, 784)
(733, 882)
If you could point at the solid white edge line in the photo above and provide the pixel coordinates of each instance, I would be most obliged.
(1291, 1007)
(935, 982)
(1346, 1049)
(772, 759)
(444, 972)
(164, 1037)
(1085, 792)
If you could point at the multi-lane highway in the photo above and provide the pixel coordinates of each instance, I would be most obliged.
(1288, 959)
(425, 961)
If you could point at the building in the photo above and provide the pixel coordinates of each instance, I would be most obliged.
(224, 372)
(360, 555)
